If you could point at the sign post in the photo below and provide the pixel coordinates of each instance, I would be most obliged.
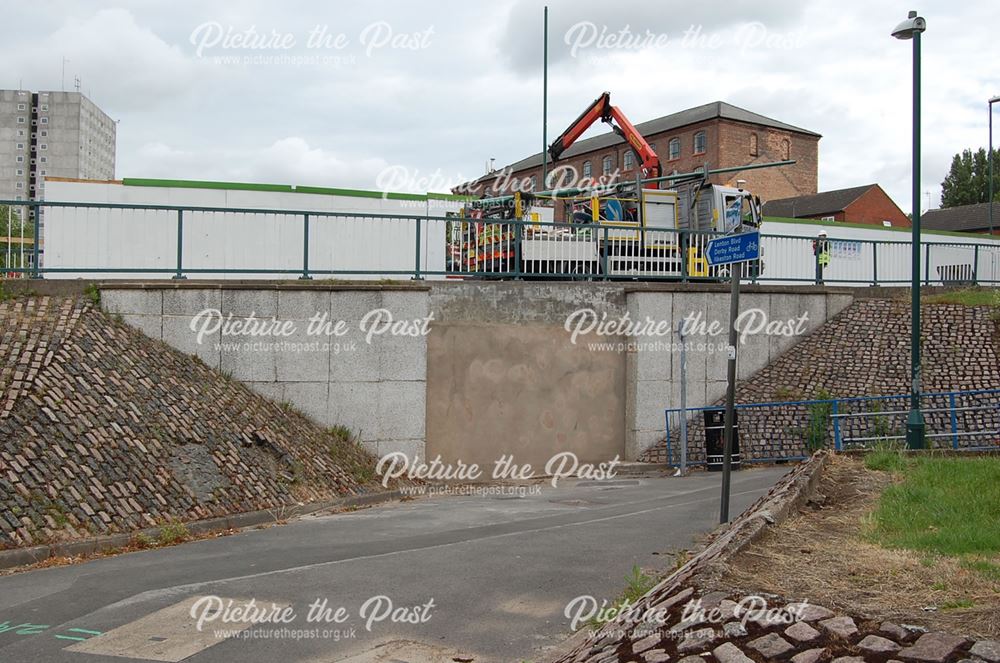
(732, 250)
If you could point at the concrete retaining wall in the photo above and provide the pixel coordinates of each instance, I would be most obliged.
(498, 371)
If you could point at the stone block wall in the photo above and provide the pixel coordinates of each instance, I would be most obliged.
(865, 351)
(374, 386)
(103, 430)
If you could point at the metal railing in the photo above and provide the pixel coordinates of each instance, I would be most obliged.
(783, 430)
(83, 239)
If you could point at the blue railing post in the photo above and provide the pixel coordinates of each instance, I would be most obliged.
(975, 264)
(835, 410)
(416, 265)
(180, 244)
(35, 254)
(604, 260)
(305, 249)
(670, 452)
(954, 421)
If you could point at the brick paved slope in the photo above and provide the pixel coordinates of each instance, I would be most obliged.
(865, 351)
(103, 430)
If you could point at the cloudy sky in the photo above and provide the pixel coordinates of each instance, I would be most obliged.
(343, 93)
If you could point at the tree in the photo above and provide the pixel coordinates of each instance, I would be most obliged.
(967, 182)
(13, 217)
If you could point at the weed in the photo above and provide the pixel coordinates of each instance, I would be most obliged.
(173, 531)
(92, 293)
(637, 584)
(819, 421)
(787, 394)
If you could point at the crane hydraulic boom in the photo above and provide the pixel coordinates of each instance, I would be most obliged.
(602, 110)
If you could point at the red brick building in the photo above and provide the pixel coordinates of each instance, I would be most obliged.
(717, 134)
(861, 204)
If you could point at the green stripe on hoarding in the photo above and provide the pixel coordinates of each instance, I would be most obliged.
(871, 226)
(287, 188)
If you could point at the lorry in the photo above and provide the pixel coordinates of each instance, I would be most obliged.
(624, 229)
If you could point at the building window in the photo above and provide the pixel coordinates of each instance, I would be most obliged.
(20, 120)
(45, 107)
(753, 145)
(19, 159)
(588, 170)
(19, 185)
(44, 159)
(44, 120)
(629, 159)
(786, 149)
(21, 107)
(700, 142)
(20, 171)
(606, 166)
(20, 146)
(45, 133)
(827, 218)
(45, 172)
(675, 148)
(20, 133)
(44, 146)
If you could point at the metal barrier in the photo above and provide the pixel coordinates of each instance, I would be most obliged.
(959, 420)
(122, 240)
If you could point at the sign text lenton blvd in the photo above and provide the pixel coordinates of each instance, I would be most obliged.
(734, 248)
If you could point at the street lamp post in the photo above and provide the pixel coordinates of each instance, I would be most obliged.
(989, 200)
(911, 28)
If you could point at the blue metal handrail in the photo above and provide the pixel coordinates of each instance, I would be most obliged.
(839, 412)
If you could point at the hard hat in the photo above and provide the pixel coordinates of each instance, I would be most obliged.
(822, 233)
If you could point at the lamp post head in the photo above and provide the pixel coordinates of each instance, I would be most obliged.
(912, 25)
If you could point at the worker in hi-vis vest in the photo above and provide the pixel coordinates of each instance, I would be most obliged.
(821, 250)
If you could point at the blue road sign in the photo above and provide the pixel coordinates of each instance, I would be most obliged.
(734, 248)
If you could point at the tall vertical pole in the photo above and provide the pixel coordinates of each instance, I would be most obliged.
(915, 426)
(545, 98)
(736, 272)
(989, 156)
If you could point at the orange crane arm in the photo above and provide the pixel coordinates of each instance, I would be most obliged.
(602, 110)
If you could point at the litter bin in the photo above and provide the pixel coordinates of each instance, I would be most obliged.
(715, 439)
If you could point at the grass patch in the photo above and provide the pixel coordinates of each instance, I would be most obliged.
(967, 297)
(886, 456)
(948, 506)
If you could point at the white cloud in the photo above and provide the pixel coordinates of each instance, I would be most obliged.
(289, 160)
(474, 92)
